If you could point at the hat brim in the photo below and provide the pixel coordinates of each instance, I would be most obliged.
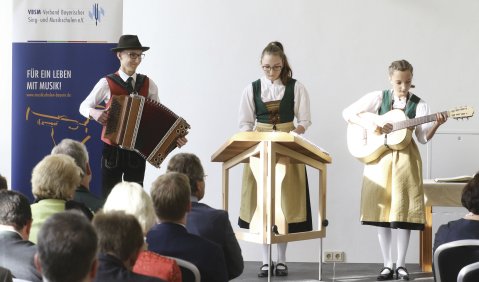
(117, 49)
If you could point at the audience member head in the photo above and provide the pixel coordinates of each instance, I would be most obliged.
(470, 195)
(55, 177)
(77, 151)
(15, 212)
(190, 165)
(132, 199)
(119, 235)
(171, 197)
(67, 248)
(3, 183)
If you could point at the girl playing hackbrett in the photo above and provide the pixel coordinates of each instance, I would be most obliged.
(271, 103)
(392, 196)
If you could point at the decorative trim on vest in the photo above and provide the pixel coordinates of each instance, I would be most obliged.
(118, 86)
(411, 104)
(286, 105)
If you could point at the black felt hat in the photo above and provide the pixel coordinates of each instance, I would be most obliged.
(129, 42)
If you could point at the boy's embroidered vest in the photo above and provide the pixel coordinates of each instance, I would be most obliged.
(411, 104)
(274, 112)
(118, 86)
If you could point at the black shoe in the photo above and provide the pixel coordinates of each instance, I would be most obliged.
(264, 272)
(400, 276)
(385, 276)
(283, 271)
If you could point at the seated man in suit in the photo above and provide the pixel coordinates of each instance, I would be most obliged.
(79, 153)
(120, 239)
(16, 252)
(171, 197)
(204, 220)
(67, 248)
(466, 227)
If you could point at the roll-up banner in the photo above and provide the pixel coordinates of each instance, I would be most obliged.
(60, 50)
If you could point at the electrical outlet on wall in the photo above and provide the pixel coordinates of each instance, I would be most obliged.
(339, 256)
(334, 256)
(328, 257)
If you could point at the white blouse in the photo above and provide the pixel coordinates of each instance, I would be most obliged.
(371, 102)
(273, 91)
(101, 93)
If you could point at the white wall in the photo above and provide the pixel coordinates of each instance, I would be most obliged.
(203, 53)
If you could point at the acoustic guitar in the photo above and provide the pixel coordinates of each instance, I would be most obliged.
(367, 145)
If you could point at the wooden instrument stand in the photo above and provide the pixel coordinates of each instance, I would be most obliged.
(268, 153)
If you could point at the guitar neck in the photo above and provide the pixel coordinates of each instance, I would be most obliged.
(415, 121)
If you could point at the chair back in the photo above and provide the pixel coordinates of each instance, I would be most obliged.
(189, 271)
(469, 273)
(451, 257)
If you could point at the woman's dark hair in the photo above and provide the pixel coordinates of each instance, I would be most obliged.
(119, 234)
(276, 48)
(470, 195)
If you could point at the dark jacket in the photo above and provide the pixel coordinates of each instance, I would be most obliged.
(460, 229)
(83, 195)
(17, 255)
(215, 226)
(171, 239)
(112, 269)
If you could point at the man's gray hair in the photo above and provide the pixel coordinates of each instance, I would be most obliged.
(74, 149)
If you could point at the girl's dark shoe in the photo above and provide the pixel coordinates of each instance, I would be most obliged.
(386, 276)
(401, 276)
(282, 271)
(263, 270)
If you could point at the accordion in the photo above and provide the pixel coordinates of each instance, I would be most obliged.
(143, 125)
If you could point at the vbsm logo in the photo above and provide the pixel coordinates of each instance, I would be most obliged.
(96, 13)
(34, 12)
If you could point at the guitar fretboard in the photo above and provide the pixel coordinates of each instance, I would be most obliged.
(415, 121)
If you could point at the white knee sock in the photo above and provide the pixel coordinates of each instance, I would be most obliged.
(282, 252)
(384, 235)
(265, 251)
(403, 242)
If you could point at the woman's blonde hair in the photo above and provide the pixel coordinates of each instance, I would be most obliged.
(132, 199)
(401, 65)
(55, 177)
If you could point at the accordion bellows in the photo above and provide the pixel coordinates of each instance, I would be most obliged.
(143, 125)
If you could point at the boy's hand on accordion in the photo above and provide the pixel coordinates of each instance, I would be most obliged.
(101, 116)
(180, 142)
